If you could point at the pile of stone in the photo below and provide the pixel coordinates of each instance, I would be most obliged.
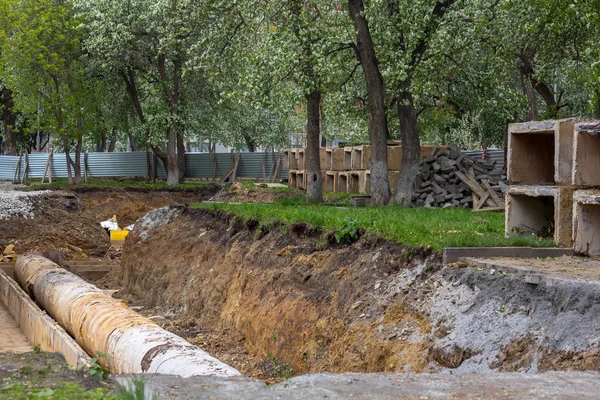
(451, 179)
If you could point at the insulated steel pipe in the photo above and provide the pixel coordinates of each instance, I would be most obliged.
(102, 324)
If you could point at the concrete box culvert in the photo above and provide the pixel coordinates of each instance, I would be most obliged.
(100, 323)
(586, 222)
(537, 208)
(541, 151)
(586, 159)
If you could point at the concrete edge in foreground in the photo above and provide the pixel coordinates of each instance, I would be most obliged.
(37, 326)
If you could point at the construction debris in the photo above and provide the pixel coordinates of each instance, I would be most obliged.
(451, 179)
(8, 255)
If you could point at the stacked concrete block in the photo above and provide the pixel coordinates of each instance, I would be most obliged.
(334, 159)
(545, 210)
(394, 154)
(330, 181)
(586, 222)
(586, 155)
(347, 169)
(361, 157)
(347, 158)
(552, 165)
(297, 179)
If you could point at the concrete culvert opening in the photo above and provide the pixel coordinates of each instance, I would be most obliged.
(587, 166)
(530, 214)
(532, 158)
(588, 234)
(354, 183)
(342, 182)
(329, 182)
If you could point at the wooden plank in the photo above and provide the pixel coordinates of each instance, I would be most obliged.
(489, 209)
(474, 186)
(277, 173)
(18, 170)
(214, 166)
(85, 167)
(261, 170)
(493, 196)
(230, 176)
(26, 170)
(47, 169)
(479, 203)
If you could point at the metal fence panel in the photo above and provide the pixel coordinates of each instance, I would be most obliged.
(198, 165)
(494, 156)
(8, 164)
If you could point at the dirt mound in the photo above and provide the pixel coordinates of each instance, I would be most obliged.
(58, 220)
(130, 204)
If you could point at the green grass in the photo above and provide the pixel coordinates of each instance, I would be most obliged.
(64, 391)
(409, 226)
(62, 183)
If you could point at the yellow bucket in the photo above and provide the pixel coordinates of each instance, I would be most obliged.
(120, 234)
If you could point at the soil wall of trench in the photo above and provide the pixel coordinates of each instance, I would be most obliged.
(369, 306)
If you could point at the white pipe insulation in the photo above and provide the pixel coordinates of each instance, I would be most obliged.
(100, 323)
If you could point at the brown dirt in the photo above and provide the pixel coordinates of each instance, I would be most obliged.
(289, 305)
(73, 217)
(130, 204)
(59, 219)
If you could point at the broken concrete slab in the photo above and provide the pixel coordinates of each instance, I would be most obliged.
(454, 254)
(518, 386)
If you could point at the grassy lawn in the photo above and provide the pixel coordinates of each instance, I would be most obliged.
(413, 226)
(62, 183)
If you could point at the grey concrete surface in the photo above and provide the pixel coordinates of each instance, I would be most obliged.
(553, 385)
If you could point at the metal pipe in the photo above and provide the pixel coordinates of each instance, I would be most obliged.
(102, 324)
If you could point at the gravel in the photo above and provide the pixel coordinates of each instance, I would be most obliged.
(15, 204)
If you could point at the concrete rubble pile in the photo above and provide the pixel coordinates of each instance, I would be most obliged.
(554, 175)
(451, 179)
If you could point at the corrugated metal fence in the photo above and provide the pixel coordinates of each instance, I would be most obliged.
(198, 165)
(100, 165)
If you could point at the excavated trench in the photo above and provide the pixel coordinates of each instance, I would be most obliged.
(284, 300)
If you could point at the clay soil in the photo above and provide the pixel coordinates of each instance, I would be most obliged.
(281, 301)
(72, 217)
(277, 306)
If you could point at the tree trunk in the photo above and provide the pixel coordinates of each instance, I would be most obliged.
(113, 140)
(532, 113)
(103, 142)
(378, 129)
(411, 146)
(173, 131)
(8, 119)
(597, 112)
(181, 158)
(314, 188)
(75, 176)
(132, 144)
(249, 142)
(131, 85)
